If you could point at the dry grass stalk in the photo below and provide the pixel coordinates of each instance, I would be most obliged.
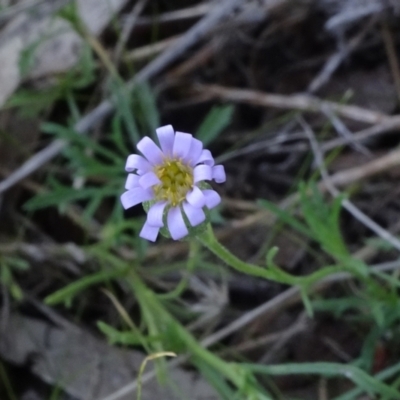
(301, 102)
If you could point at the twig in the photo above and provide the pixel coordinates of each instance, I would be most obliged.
(336, 349)
(253, 343)
(347, 204)
(335, 60)
(179, 15)
(392, 55)
(389, 124)
(128, 27)
(282, 300)
(352, 14)
(342, 129)
(50, 313)
(198, 59)
(192, 36)
(323, 389)
(367, 252)
(150, 50)
(20, 7)
(47, 251)
(299, 326)
(301, 102)
(5, 307)
(366, 170)
(269, 145)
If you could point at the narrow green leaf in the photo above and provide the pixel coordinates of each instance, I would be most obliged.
(215, 379)
(306, 301)
(147, 105)
(215, 122)
(59, 197)
(68, 292)
(86, 142)
(366, 382)
(123, 103)
(117, 135)
(385, 374)
(115, 336)
(285, 216)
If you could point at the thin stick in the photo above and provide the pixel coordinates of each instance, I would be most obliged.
(392, 56)
(389, 124)
(179, 15)
(150, 50)
(342, 129)
(299, 102)
(355, 174)
(335, 60)
(192, 36)
(128, 27)
(19, 7)
(198, 59)
(352, 14)
(299, 326)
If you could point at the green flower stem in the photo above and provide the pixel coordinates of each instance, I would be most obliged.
(272, 272)
(194, 248)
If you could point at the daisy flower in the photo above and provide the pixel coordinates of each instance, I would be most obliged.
(171, 182)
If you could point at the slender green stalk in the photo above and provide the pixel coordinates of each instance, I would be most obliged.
(272, 272)
(191, 263)
(7, 384)
(363, 380)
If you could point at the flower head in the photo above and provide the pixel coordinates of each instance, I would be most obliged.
(170, 181)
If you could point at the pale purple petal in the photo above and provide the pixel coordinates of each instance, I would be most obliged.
(195, 215)
(156, 213)
(195, 151)
(182, 144)
(166, 137)
(196, 198)
(206, 158)
(149, 179)
(176, 224)
(135, 196)
(132, 181)
(149, 232)
(135, 161)
(212, 198)
(218, 174)
(202, 173)
(150, 150)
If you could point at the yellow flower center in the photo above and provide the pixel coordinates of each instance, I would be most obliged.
(176, 180)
